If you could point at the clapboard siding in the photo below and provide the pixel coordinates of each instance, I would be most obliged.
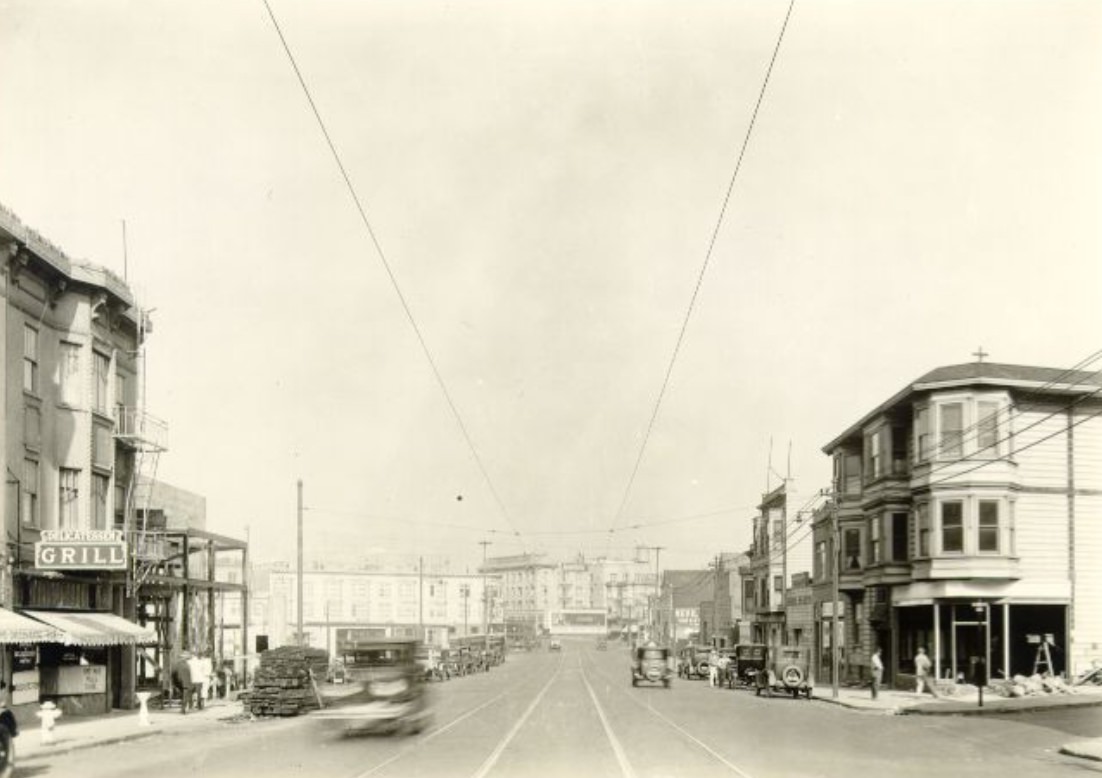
(1044, 462)
(1041, 537)
(1087, 639)
(1088, 450)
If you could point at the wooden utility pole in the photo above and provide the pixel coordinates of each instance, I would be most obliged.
(485, 600)
(835, 561)
(301, 636)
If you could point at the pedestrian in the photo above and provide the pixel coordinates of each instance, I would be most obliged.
(877, 672)
(181, 680)
(713, 668)
(923, 667)
(198, 680)
(724, 665)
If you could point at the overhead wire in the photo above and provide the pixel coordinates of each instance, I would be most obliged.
(700, 277)
(390, 272)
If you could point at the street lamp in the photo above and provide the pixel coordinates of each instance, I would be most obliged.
(983, 627)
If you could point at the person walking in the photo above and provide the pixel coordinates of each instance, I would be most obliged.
(923, 668)
(181, 680)
(877, 672)
(198, 680)
(713, 668)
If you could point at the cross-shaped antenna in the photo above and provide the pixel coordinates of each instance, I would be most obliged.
(980, 354)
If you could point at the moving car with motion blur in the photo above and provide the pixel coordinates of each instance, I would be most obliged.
(392, 697)
(651, 663)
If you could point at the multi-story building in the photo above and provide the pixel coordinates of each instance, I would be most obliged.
(683, 593)
(625, 589)
(74, 441)
(781, 547)
(968, 520)
(432, 606)
(528, 589)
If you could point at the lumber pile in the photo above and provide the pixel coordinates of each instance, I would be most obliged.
(281, 685)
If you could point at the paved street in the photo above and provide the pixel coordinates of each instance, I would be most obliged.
(575, 713)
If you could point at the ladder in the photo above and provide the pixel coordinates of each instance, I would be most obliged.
(1043, 659)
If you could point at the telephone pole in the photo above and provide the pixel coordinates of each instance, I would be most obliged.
(485, 599)
(301, 641)
(835, 560)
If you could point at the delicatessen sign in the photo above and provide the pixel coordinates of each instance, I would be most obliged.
(67, 549)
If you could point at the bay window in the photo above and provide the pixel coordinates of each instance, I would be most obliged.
(952, 526)
(987, 429)
(951, 418)
(988, 538)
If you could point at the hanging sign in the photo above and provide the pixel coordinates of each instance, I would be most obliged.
(68, 549)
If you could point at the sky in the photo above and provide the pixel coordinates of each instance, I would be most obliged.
(544, 180)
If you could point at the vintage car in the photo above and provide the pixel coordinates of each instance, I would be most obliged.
(787, 671)
(555, 645)
(602, 644)
(747, 662)
(428, 659)
(392, 696)
(693, 662)
(651, 663)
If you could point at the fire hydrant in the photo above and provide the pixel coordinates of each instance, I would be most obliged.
(143, 709)
(49, 714)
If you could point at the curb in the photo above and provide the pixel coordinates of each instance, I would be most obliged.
(975, 710)
(68, 748)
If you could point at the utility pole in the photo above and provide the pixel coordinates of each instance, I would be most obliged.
(715, 597)
(485, 600)
(421, 596)
(301, 641)
(784, 550)
(835, 560)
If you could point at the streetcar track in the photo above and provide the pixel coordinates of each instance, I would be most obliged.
(617, 748)
(491, 760)
(674, 725)
(431, 735)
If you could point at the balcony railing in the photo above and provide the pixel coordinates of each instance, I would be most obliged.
(140, 428)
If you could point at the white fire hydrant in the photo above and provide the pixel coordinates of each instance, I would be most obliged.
(143, 709)
(49, 714)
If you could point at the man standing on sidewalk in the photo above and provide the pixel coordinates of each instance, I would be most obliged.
(181, 679)
(198, 681)
(923, 666)
(877, 672)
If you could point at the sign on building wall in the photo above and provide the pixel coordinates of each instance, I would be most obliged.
(71, 549)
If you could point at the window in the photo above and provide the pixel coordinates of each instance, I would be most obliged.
(120, 395)
(899, 537)
(103, 446)
(68, 373)
(989, 526)
(922, 434)
(952, 429)
(853, 474)
(102, 365)
(101, 484)
(952, 526)
(68, 514)
(851, 548)
(874, 540)
(873, 456)
(987, 429)
(28, 496)
(120, 503)
(32, 427)
(748, 595)
(899, 450)
(820, 560)
(30, 359)
(922, 519)
(778, 583)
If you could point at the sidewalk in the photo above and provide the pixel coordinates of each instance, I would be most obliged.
(71, 734)
(894, 702)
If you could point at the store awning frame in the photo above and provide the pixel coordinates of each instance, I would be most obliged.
(16, 628)
(93, 629)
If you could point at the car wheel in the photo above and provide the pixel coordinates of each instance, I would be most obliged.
(7, 753)
(634, 681)
(792, 675)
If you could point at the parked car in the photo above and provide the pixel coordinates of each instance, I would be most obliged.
(8, 730)
(602, 644)
(392, 695)
(748, 661)
(651, 663)
(555, 645)
(787, 671)
(693, 662)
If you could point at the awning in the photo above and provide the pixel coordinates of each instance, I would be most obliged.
(19, 629)
(83, 628)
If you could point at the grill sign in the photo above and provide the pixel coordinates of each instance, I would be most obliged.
(80, 550)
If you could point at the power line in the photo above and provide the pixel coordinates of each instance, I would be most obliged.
(700, 275)
(389, 271)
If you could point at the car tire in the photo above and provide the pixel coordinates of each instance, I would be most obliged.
(792, 676)
(634, 681)
(7, 753)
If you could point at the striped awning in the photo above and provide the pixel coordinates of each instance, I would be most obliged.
(84, 628)
(19, 629)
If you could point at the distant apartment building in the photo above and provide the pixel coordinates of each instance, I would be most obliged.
(430, 606)
(967, 520)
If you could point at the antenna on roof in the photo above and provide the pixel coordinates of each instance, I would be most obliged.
(125, 258)
(980, 354)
